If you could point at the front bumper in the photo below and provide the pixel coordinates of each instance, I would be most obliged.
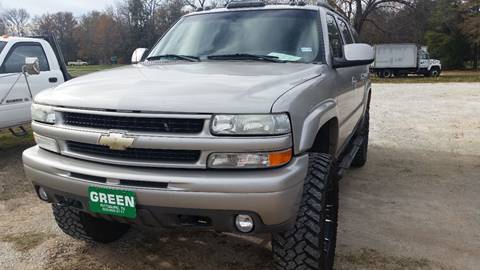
(166, 196)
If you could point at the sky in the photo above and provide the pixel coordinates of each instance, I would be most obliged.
(39, 7)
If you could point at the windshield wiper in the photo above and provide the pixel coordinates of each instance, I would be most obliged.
(245, 56)
(177, 56)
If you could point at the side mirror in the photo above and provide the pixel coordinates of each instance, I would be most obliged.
(138, 55)
(32, 66)
(357, 54)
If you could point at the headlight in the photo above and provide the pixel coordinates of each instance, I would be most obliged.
(247, 124)
(249, 160)
(43, 114)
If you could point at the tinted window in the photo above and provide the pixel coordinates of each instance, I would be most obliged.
(346, 32)
(16, 58)
(291, 35)
(334, 37)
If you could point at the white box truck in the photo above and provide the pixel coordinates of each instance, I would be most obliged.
(403, 59)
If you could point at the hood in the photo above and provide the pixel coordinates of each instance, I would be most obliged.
(203, 87)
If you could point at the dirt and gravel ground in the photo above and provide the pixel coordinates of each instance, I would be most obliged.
(415, 205)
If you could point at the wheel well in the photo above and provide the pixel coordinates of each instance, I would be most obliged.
(327, 138)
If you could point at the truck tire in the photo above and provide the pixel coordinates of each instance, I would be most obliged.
(386, 73)
(362, 154)
(310, 244)
(83, 226)
(434, 72)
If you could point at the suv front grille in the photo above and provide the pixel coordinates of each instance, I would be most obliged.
(137, 154)
(147, 124)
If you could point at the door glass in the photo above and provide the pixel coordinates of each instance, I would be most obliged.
(346, 32)
(16, 59)
(423, 55)
(334, 37)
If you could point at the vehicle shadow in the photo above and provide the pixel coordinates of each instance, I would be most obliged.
(144, 248)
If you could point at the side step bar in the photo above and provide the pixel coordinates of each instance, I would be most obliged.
(23, 132)
(350, 156)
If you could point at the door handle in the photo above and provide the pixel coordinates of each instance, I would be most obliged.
(53, 80)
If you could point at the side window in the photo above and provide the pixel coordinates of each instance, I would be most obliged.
(424, 55)
(346, 32)
(16, 58)
(334, 37)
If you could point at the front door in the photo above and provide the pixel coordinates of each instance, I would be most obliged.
(349, 84)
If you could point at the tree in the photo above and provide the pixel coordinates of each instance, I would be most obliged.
(98, 38)
(359, 11)
(16, 21)
(444, 38)
(194, 5)
(406, 25)
(63, 25)
(470, 26)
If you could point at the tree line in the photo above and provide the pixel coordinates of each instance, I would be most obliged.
(450, 28)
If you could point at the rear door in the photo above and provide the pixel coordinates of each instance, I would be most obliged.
(15, 97)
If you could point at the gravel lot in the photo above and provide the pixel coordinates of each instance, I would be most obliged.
(415, 205)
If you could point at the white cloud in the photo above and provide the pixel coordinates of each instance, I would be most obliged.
(39, 7)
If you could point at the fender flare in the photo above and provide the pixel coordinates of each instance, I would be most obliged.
(314, 121)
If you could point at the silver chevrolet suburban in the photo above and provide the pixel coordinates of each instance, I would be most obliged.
(240, 119)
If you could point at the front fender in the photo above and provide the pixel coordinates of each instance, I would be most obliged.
(310, 105)
(320, 115)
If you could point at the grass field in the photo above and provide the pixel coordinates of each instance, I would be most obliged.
(76, 71)
(7, 140)
(447, 76)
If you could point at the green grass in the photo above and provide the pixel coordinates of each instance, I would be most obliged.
(446, 77)
(7, 140)
(76, 71)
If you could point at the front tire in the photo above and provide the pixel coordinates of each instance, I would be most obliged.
(434, 72)
(83, 226)
(310, 244)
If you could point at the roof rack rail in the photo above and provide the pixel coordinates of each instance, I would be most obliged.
(245, 4)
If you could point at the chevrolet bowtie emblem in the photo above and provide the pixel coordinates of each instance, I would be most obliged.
(116, 141)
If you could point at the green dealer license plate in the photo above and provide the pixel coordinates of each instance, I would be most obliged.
(112, 202)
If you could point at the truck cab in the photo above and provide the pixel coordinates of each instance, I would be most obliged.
(17, 89)
(428, 66)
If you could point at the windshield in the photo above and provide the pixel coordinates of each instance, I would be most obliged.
(2, 45)
(287, 35)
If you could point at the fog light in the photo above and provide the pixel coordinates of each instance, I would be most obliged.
(42, 194)
(244, 223)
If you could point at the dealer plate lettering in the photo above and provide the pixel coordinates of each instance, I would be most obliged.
(112, 202)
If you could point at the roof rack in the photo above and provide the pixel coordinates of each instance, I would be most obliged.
(245, 4)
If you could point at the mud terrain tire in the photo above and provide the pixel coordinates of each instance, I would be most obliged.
(82, 226)
(310, 244)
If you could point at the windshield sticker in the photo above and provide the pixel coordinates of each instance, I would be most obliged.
(306, 49)
(285, 57)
